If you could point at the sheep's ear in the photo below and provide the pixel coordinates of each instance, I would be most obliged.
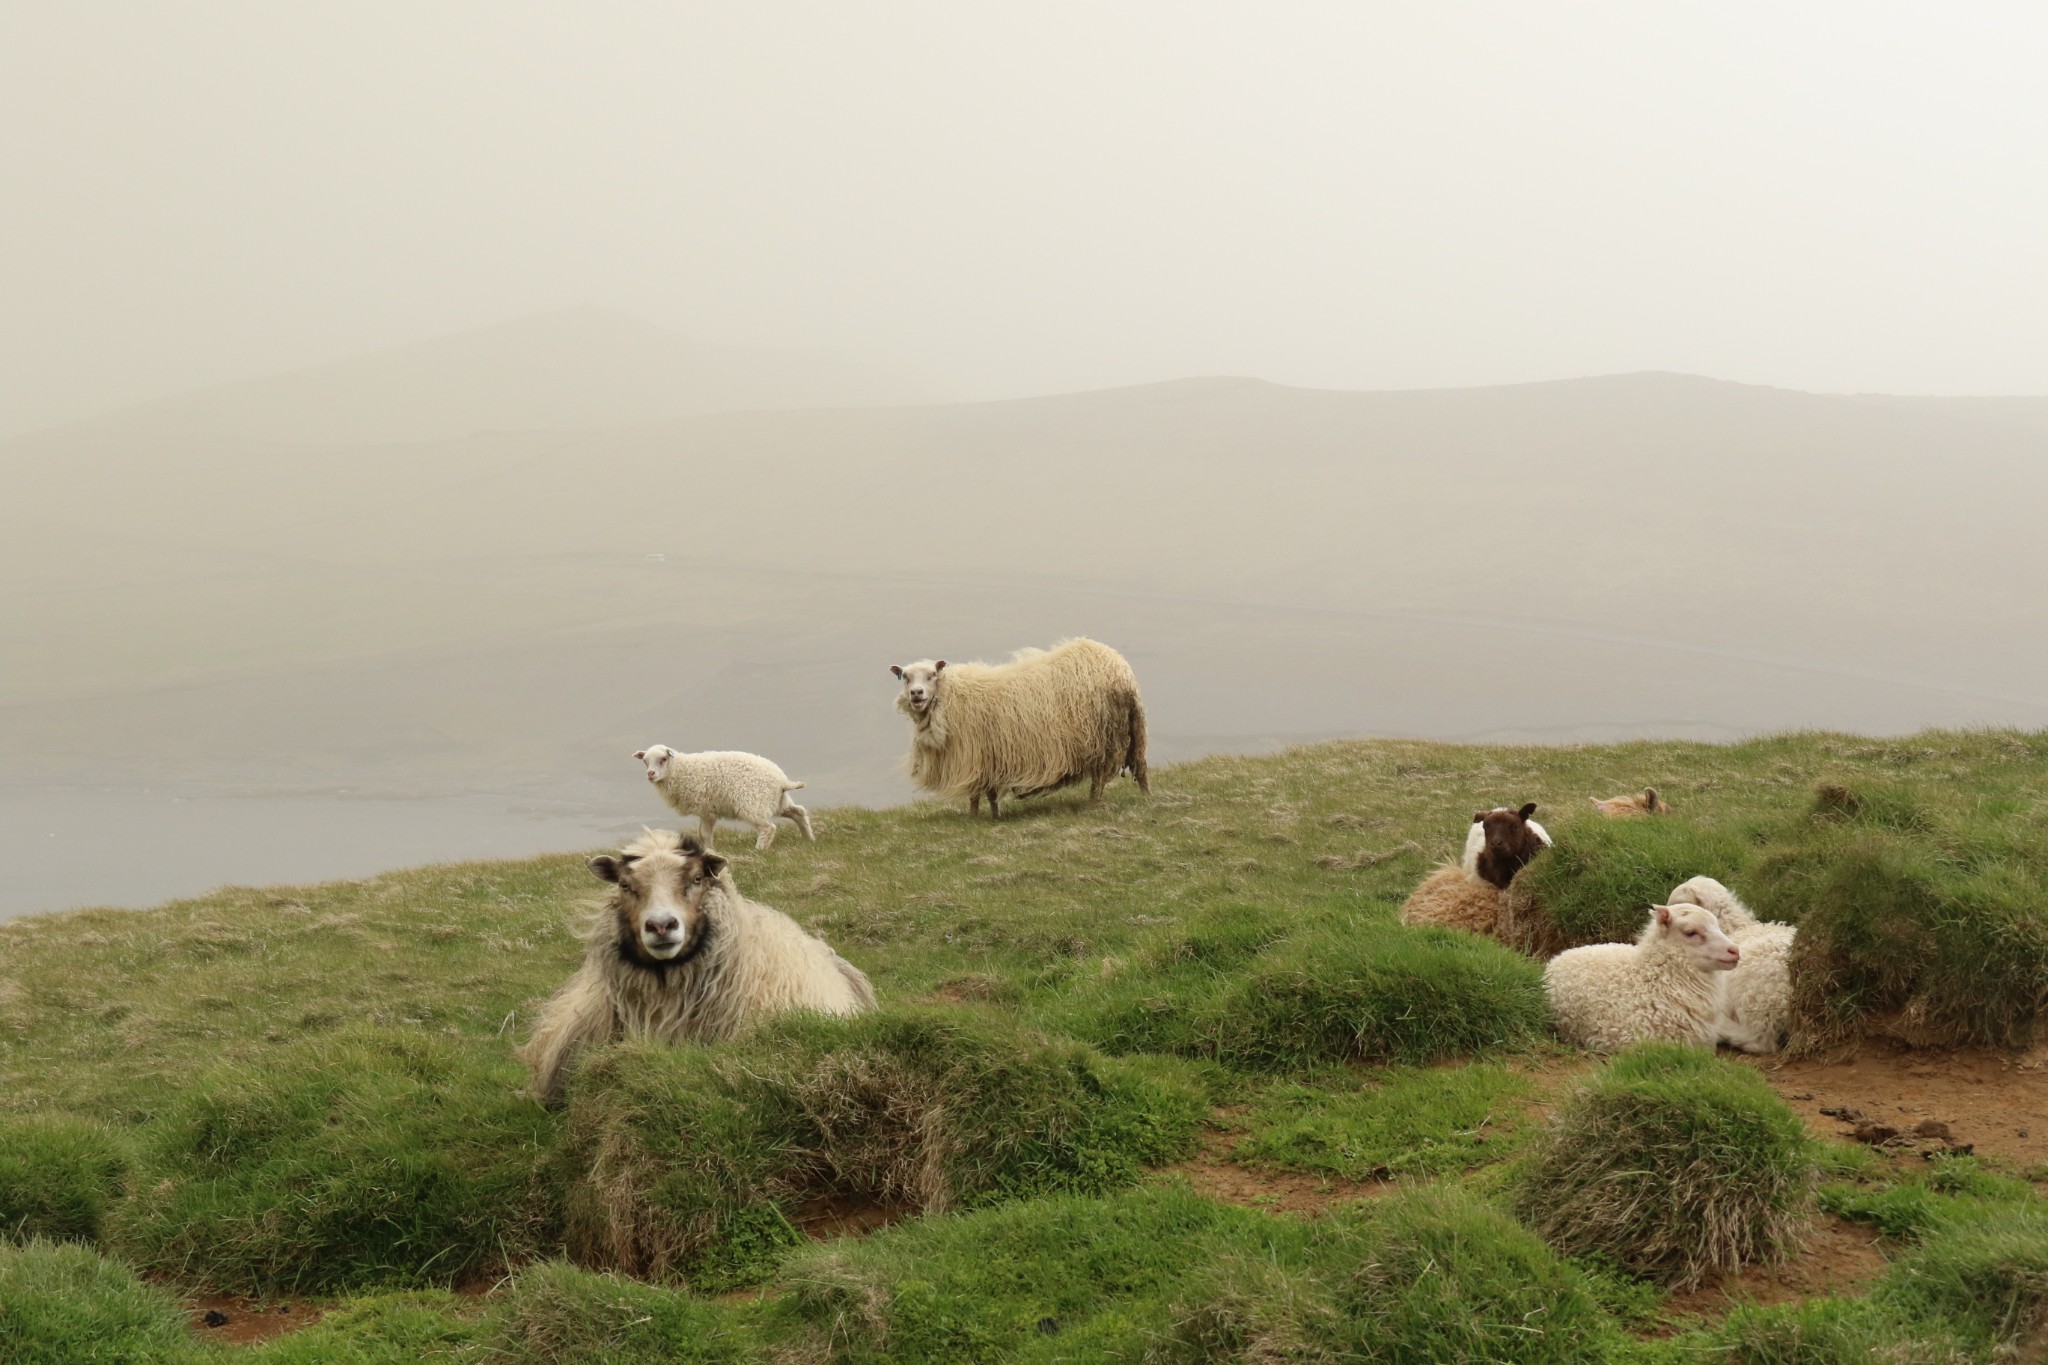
(1478, 816)
(1663, 915)
(714, 866)
(606, 867)
(640, 754)
(897, 669)
(1650, 797)
(939, 667)
(1528, 810)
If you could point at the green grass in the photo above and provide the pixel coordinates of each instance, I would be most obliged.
(698, 1162)
(1672, 1164)
(58, 1176)
(1417, 1122)
(312, 1088)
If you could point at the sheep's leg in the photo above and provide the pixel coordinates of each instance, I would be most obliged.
(802, 817)
(994, 808)
(764, 834)
(707, 825)
(1095, 788)
(974, 804)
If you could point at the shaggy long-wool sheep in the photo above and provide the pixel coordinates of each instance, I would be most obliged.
(1756, 998)
(725, 784)
(678, 953)
(1044, 720)
(1663, 986)
(1644, 802)
(1454, 898)
(1500, 843)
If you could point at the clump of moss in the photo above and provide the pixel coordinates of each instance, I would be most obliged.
(1673, 1165)
(700, 1163)
(1596, 884)
(372, 1158)
(58, 1176)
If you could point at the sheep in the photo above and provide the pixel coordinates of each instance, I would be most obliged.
(1608, 995)
(1042, 721)
(721, 782)
(1454, 898)
(678, 953)
(1500, 843)
(1756, 998)
(1645, 802)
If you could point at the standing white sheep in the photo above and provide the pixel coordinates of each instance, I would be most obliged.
(723, 784)
(1756, 998)
(1663, 986)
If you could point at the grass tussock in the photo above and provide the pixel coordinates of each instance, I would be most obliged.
(1673, 1165)
(68, 1305)
(372, 1158)
(1353, 990)
(1986, 1275)
(1921, 918)
(58, 1177)
(1597, 883)
(700, 1163)
(556, 1314)
(1445, 1276)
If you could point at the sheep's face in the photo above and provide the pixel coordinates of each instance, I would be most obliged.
(920, 684)
(656, 757)
(1695, 929)
(659, 901)
(1509, 839)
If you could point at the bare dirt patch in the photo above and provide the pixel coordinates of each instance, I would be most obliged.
(1838, 1258)
(1995, 1105)
(841, 1215)
(232, 1321)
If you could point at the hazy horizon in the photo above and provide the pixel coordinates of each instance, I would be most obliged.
(995, 203)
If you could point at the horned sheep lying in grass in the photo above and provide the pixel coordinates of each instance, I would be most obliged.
(724, 784)
(1606, 996)
(679, 953)
(1467, 894)
(1046, 719)
(1644, 802)
(1756, 998)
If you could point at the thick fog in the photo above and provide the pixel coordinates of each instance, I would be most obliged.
(410, 410)
(999, 199)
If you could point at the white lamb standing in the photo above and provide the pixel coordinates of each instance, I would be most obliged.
(725, 784)
(1663, 986)
(1756, 998)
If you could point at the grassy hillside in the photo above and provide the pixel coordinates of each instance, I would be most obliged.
(1120, 1046)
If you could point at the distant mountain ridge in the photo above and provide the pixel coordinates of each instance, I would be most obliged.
(571, 369)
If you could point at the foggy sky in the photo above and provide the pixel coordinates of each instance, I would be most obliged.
(1005, 198)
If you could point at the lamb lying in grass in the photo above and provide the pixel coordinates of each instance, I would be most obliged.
(1663, 986)
(725, 784)
(1756, 998)
(680, 954)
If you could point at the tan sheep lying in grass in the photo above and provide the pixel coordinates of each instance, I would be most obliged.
(679, 953)
(1044, 720)
(1756, 998)
(1663, 986)
(1644, 802)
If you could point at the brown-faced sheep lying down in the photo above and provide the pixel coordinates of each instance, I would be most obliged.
(1644, 802)
(1044, 720)
(678, 953)
(1467, 894)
